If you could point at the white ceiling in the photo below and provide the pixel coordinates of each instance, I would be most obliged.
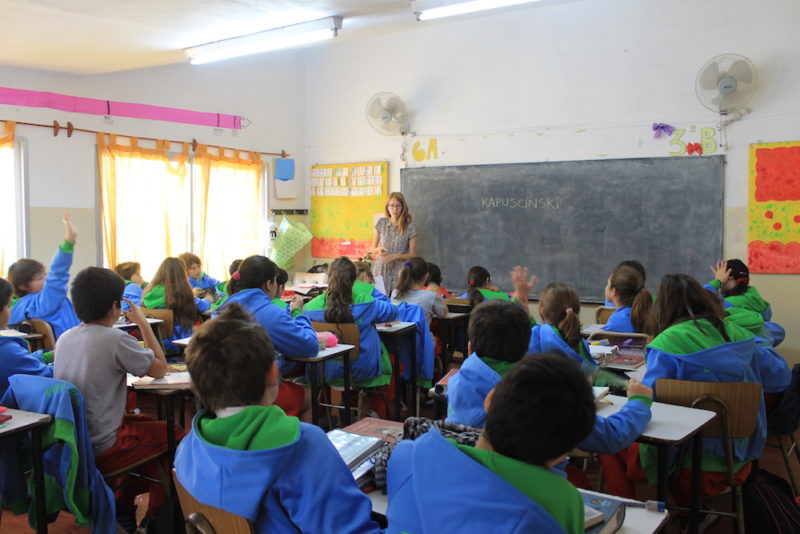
(97, 36)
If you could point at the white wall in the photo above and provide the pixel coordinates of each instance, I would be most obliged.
(580, 80)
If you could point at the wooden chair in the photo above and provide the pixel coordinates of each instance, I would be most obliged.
(203, 519)
(602, 313)
(348, 334)
(168, 326)
(618, 338)
(736, 404)
(44, 328)
(457, 305)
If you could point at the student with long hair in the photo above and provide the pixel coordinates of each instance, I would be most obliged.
(693, 341)
(625, 288)
(170, 289)
(410, 282)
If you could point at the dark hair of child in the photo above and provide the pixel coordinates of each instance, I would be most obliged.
(560, 305)
(190, 259)
(178, 294)
(282, 277)
(741, 275)
(94, 291)
(541, 409)
(127, 269)
(434, 274)
(681, 298)
(254, 272)
(629, 285)
(413, 270)
(5, 293)
(364, 268)
(499, 330)
(341, 276)
(477, 277)
(228, 359)
(234, 266)
(21, 273)
(633, 264)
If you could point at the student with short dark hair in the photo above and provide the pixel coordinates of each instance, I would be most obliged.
(537, 413)
(435, 281)
(245, 455)
(202, 284)
(96, 357)
(499, 332)
(15, 355)
(42, 295)
(130, 271)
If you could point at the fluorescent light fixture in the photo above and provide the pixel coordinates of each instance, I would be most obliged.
(285, 37)
(437, 9)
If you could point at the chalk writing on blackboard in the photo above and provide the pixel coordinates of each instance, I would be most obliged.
(521, 203)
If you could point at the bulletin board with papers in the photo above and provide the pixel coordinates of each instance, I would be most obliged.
(344, 201)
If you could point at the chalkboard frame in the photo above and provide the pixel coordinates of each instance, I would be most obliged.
(537, 214)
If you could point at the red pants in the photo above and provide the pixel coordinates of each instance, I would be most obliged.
(290, 397)
(624, 469)
(138, 437)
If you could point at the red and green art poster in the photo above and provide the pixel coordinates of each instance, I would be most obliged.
(773, 237)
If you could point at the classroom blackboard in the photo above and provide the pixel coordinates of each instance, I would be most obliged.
(570, 221)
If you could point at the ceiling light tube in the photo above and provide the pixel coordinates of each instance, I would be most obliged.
(436, 9)
(284, 37)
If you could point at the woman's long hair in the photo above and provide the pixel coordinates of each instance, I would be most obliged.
(178, 295)
(405, 217)
(341, 276)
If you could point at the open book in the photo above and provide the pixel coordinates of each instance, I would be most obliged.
(354, 448)
(169, 381)
(602, 515)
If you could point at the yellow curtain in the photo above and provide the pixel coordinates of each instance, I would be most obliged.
(228, 217)
(10, 201)
(145, 201)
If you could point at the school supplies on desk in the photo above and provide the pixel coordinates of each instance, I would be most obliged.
(354, 448)
(602, 515)
(167, 381)
(377, 428)
(626, 359)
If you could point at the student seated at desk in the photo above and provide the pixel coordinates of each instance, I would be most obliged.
(347, 302)
(625, 288)
(96, 357)
(170, 289)
(254, 287)
(411, 279)
(130, 271)
(297, 300)
(15, 354)
(694, 341)
(245, 455)
(537, 413)
(366, 278)
(559, 306)
(202, 284)
(732, 283)
(636, 266)
(42, 295)
(480, 288)
(222, 287)
(435, 281)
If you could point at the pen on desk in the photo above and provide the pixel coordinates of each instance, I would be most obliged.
(650, 506)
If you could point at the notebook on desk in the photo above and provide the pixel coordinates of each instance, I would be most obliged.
(626, 359)
(354, 448)
(602, 515)
(171, 379)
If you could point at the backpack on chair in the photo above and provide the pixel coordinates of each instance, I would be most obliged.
(769, 504)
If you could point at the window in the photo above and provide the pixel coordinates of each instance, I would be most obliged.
(11, 204)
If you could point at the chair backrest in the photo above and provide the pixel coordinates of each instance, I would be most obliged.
(742, 400)
(206, 519)
(44, 328)
(457, 305)
(168, 326)
(346, 332)
(618, 338)
(602, 313)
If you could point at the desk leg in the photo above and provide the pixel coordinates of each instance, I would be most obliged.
(661, 484)
(171, 445)
(412, 337)
(157, 331)
(697, 459)
(397, 380)
(346, 394)
(38, 480)
(314, 395)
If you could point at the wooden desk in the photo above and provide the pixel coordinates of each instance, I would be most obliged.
(34, 340)
(22, 421)
(637, 520)
(391, 331)
(175, 384)
(154, 323)
(317, 364)
(671, 425)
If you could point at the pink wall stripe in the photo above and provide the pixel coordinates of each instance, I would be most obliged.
(94, 106)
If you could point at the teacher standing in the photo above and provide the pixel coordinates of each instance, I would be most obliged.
(394, 240)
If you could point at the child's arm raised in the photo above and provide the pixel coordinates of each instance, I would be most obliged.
(523, 286)
(159, 367)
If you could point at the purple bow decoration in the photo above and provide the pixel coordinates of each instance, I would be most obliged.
(660, 127)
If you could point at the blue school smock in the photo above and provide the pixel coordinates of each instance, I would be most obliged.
(613, 433)
(366, 312)
(303, 486)
(620, 321)
(740, 360)
(16, 358)
(51, 303)
(292, 336)
(132, 291)
(466, 391)
(204, 282)
(546, 338)
(423, 344)
(434, 487)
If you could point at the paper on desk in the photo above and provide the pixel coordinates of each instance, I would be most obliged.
(180, 377)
